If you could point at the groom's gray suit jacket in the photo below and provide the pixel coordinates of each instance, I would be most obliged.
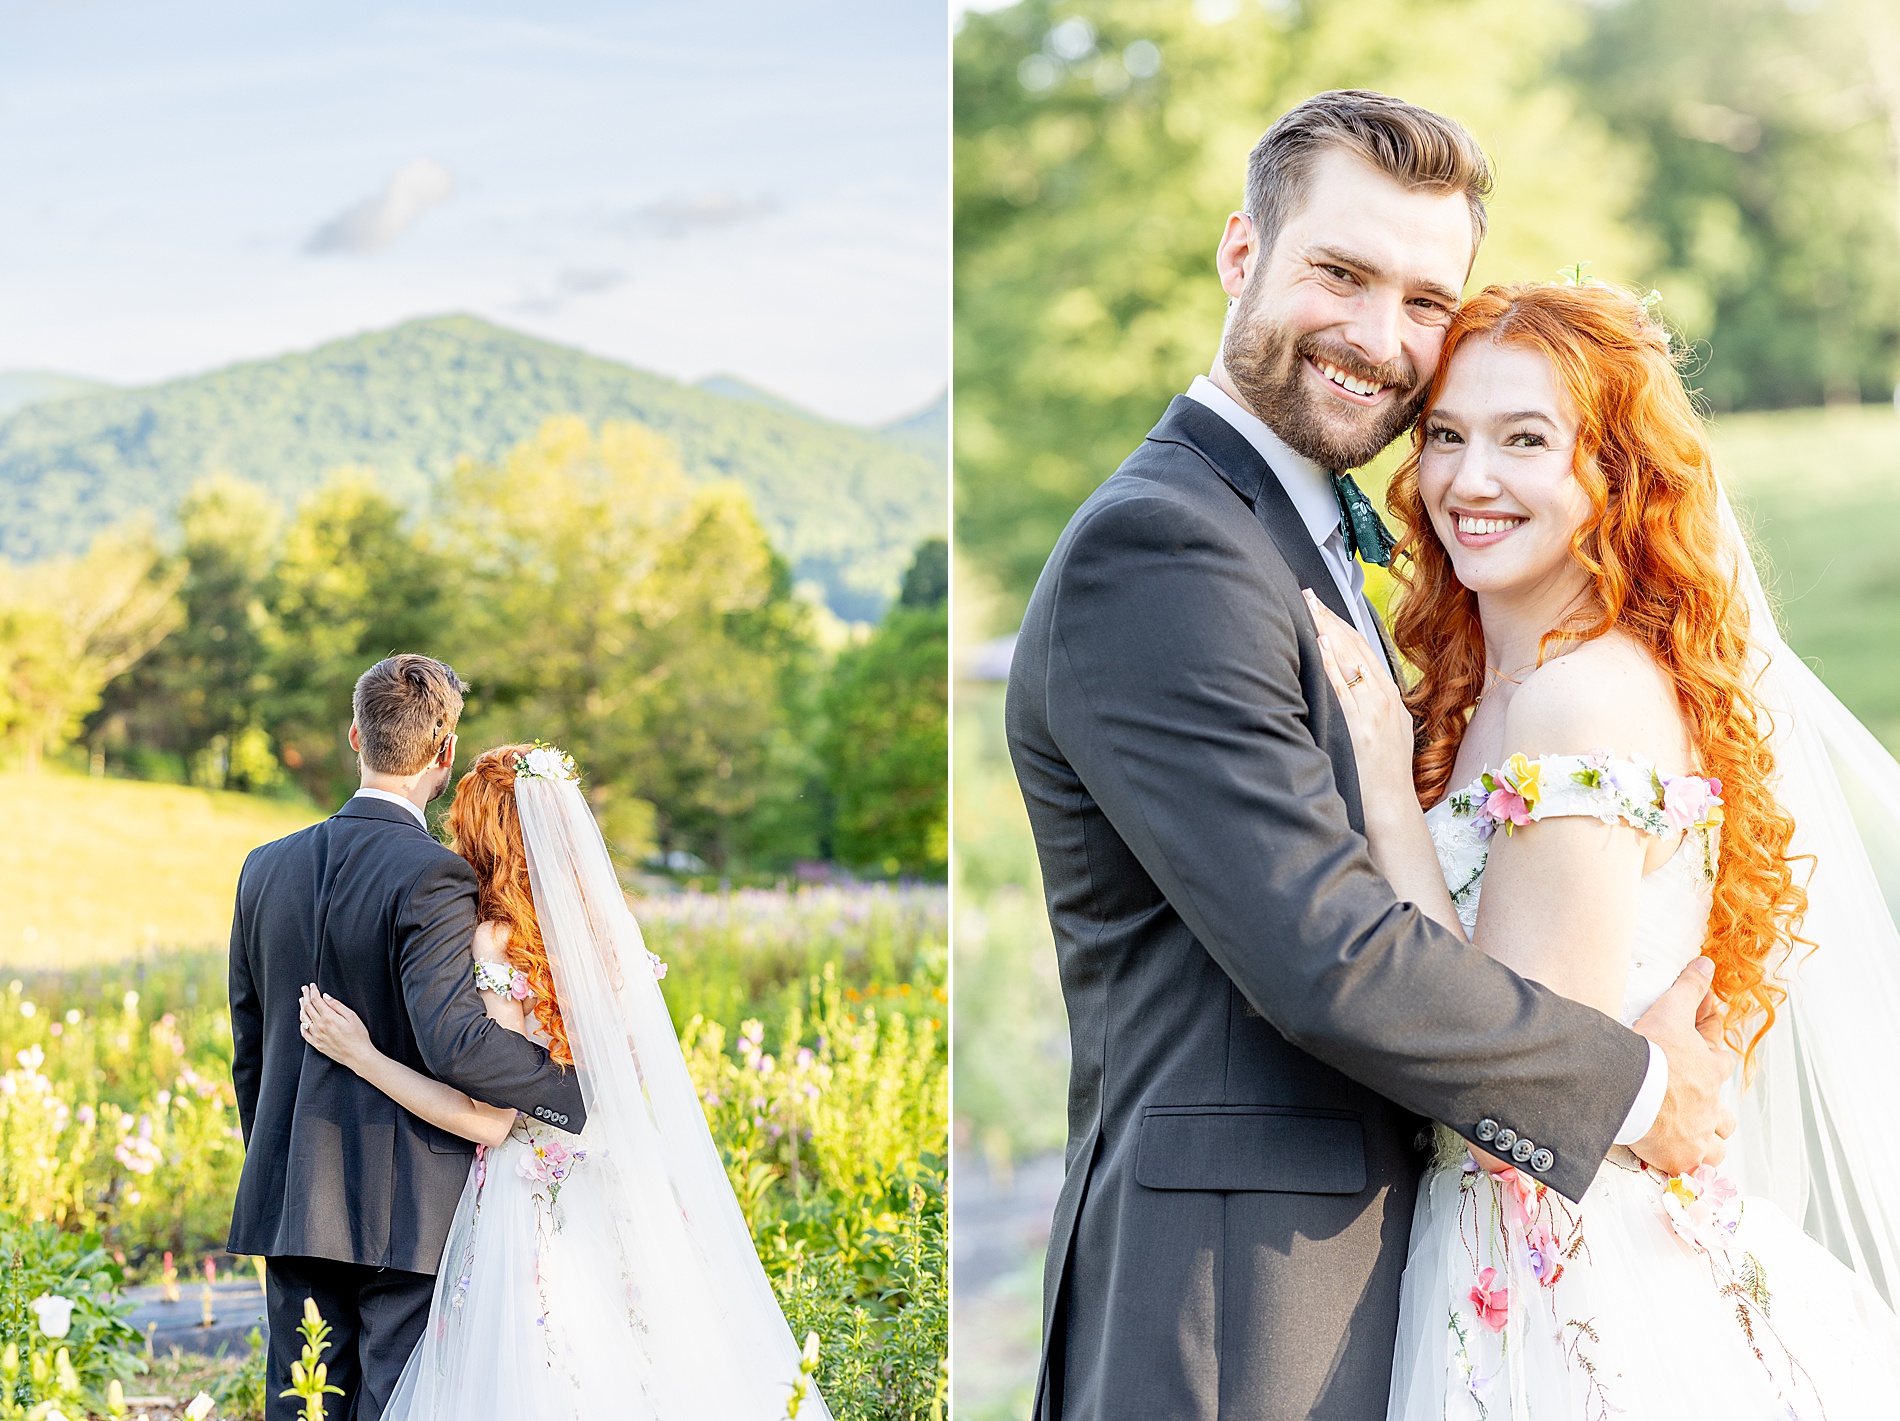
(1258, 1027)
(376, 912)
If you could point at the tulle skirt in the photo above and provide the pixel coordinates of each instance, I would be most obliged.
(1653, 1298)
(535, 1316)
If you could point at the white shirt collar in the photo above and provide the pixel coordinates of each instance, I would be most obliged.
(1308, 484)
(409, 804)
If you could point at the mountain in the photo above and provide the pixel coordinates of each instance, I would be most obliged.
(927, 431)
(845, 506)
(731, 387)
(19, 388)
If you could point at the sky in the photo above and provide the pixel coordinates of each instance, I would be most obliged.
(757, 188)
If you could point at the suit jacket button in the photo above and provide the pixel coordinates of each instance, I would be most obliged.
(1522, 1151)
(1486, 1132)
(1542, 1161)
(564, 1120)
(1505, 1139)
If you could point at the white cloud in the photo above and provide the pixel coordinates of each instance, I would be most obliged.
(677, 216)
(375, 222)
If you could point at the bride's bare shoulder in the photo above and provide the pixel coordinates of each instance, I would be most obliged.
(1607, 694)
(491, 941)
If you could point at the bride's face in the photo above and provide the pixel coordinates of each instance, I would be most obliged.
(1497, 472)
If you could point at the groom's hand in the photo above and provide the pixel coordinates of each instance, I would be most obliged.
(1693, 1126)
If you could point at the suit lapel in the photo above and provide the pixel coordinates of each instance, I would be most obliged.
(1193, 424)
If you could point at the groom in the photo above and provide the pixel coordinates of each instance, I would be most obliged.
(348, 1196)
(1260, 1031)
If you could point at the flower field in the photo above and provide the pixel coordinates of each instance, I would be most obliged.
(813, 1022)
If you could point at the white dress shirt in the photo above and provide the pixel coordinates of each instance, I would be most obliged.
(409, 804)
(1310, 486)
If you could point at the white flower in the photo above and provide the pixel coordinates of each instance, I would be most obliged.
(55, 1314)
(547, 763)
(200, 1407)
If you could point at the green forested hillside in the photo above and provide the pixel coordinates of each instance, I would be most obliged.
(844, 506)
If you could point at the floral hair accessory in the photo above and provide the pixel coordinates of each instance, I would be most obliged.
(658, 963)
(546, 762)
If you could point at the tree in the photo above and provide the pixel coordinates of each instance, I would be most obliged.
(198, 696)
(1770, 134)
(68, 627)
(352, 585)
(606, 601)
(886, 742)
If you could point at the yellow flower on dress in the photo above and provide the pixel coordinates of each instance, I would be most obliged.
(1522, 776)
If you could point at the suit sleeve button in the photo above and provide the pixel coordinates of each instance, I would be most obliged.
(1523, 1150)
(1486, 1132)
(1542, 1161)
(1505, 1139)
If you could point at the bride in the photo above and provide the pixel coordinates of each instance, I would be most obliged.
(609, 1274)
(1624, 767)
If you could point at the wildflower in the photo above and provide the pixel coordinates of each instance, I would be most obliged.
(200, 1407)
(32, 1058)
(55, 1314)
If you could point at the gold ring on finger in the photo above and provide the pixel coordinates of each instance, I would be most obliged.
(1357, 676)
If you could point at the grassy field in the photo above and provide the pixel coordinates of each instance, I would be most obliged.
(91, 869)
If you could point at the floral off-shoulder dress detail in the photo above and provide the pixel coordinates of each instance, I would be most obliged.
(1656, 1296)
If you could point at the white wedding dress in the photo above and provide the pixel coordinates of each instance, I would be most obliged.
(609, 1274)
(1679, 1299)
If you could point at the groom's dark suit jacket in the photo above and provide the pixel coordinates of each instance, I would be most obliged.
(1258, 1026)
(375, 911)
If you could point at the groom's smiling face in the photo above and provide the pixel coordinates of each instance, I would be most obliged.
(1336, 329)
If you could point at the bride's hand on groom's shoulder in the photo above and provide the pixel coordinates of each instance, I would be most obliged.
(1376, 717)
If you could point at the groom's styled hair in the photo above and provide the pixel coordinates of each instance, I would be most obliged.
(405, 707)
(1413, 146)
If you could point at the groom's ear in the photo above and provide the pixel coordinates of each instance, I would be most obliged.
(356, 738)
(445, 758)
(1239, 249)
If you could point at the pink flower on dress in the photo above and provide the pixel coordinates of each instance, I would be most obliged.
(1689, 801)
(518, 985)
(549, 1162)
(481, 1165)
(1523, 1192)
(658, 964)
(1507, 807)
(1493, 1304)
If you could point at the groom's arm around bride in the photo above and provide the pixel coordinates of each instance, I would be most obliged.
(1260, 1030)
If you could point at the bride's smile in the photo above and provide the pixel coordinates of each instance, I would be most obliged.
(1497, 473)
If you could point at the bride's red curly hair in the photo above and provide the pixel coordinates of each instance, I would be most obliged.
(486, 830)
(1650, 545)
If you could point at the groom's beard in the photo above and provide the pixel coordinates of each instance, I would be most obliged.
(1266, 363)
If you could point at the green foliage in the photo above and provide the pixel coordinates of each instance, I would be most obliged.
(886, 745)
(1767, 183)
(602, 597)
(886, 748)
(67, 629)
(240, 1392)
(844, 506)
(40, 1261)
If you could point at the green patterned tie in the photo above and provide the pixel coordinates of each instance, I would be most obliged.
(1360, 528)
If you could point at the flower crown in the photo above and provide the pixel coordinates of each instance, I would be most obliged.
(1573, 275)
(546, 762)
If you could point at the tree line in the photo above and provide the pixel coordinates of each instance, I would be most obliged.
(590, 592)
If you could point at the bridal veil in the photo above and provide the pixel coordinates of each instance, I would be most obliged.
(713, 1339)
(1819, 1131)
